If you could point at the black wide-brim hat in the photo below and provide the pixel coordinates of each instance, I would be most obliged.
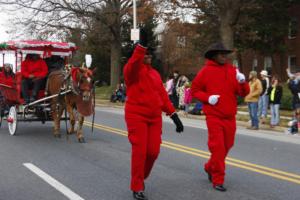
(216, 48)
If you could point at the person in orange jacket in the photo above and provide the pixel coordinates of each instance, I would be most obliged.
(146, 100)
(34, 71)
(217, 85)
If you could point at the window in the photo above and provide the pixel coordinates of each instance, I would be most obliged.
(254, 64)
(268, 62)
(181, 41)
(292, 64)
(293, 28)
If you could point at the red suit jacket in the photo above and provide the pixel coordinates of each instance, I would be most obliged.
(215, 79)
(146, 94)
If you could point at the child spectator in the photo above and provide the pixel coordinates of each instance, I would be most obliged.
(187, 97)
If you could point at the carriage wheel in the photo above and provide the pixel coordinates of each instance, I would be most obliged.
(1, 115)
(1, 118)
(12, 120)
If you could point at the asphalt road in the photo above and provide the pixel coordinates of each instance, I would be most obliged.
(37, 166)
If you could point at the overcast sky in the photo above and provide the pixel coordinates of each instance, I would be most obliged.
(3, 27)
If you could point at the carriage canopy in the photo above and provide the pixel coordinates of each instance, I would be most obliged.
(44, 48)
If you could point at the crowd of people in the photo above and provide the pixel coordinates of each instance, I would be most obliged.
(265, 97)
(178, 88)
(266, 93)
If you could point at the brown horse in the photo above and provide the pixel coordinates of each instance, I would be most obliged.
(81, 98)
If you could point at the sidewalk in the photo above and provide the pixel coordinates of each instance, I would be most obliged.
(241, 114)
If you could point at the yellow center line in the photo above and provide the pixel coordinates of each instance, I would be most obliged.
(238, 161)
(275, 173)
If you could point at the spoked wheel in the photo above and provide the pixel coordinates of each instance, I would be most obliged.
(12, 120)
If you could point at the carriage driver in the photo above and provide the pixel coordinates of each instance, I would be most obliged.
(34, 70)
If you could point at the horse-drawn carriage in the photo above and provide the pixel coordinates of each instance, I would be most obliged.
(64, 87)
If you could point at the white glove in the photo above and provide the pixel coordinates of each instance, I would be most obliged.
(240, 77)
(213, 99)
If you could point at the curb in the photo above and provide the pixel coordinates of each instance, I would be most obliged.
(105, 103)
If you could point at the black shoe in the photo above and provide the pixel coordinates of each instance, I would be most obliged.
(220, 188)
(208, 175)
(139, 195)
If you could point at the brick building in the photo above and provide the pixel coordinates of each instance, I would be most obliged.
(277, 64)
(176, 49)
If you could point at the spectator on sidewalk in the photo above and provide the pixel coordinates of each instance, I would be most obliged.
(169, 87)
(294, 86)
(197, 110)
(252, 99)
(175, 95)
(275, 95)
(180, 90)
(264, 99)
(187, 97)
(119, 94)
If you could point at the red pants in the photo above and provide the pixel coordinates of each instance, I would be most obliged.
(221, 133)
(145, 138)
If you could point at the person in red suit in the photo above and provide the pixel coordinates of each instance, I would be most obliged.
(217, 85)
(146, 100)
(34, 71)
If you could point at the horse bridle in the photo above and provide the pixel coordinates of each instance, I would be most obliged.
(76, 84)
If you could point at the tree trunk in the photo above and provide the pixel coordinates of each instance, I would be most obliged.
(116, 46)
(115, 59)
(228, 13)
(226, 32)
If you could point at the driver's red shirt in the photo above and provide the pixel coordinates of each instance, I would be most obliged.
(37, 68)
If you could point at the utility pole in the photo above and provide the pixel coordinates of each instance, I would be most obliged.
(135, 33)
(134, 14)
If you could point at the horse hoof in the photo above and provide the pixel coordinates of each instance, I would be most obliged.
(81, 140)
(70, 132)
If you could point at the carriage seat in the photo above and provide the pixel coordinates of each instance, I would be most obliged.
(41, 93)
